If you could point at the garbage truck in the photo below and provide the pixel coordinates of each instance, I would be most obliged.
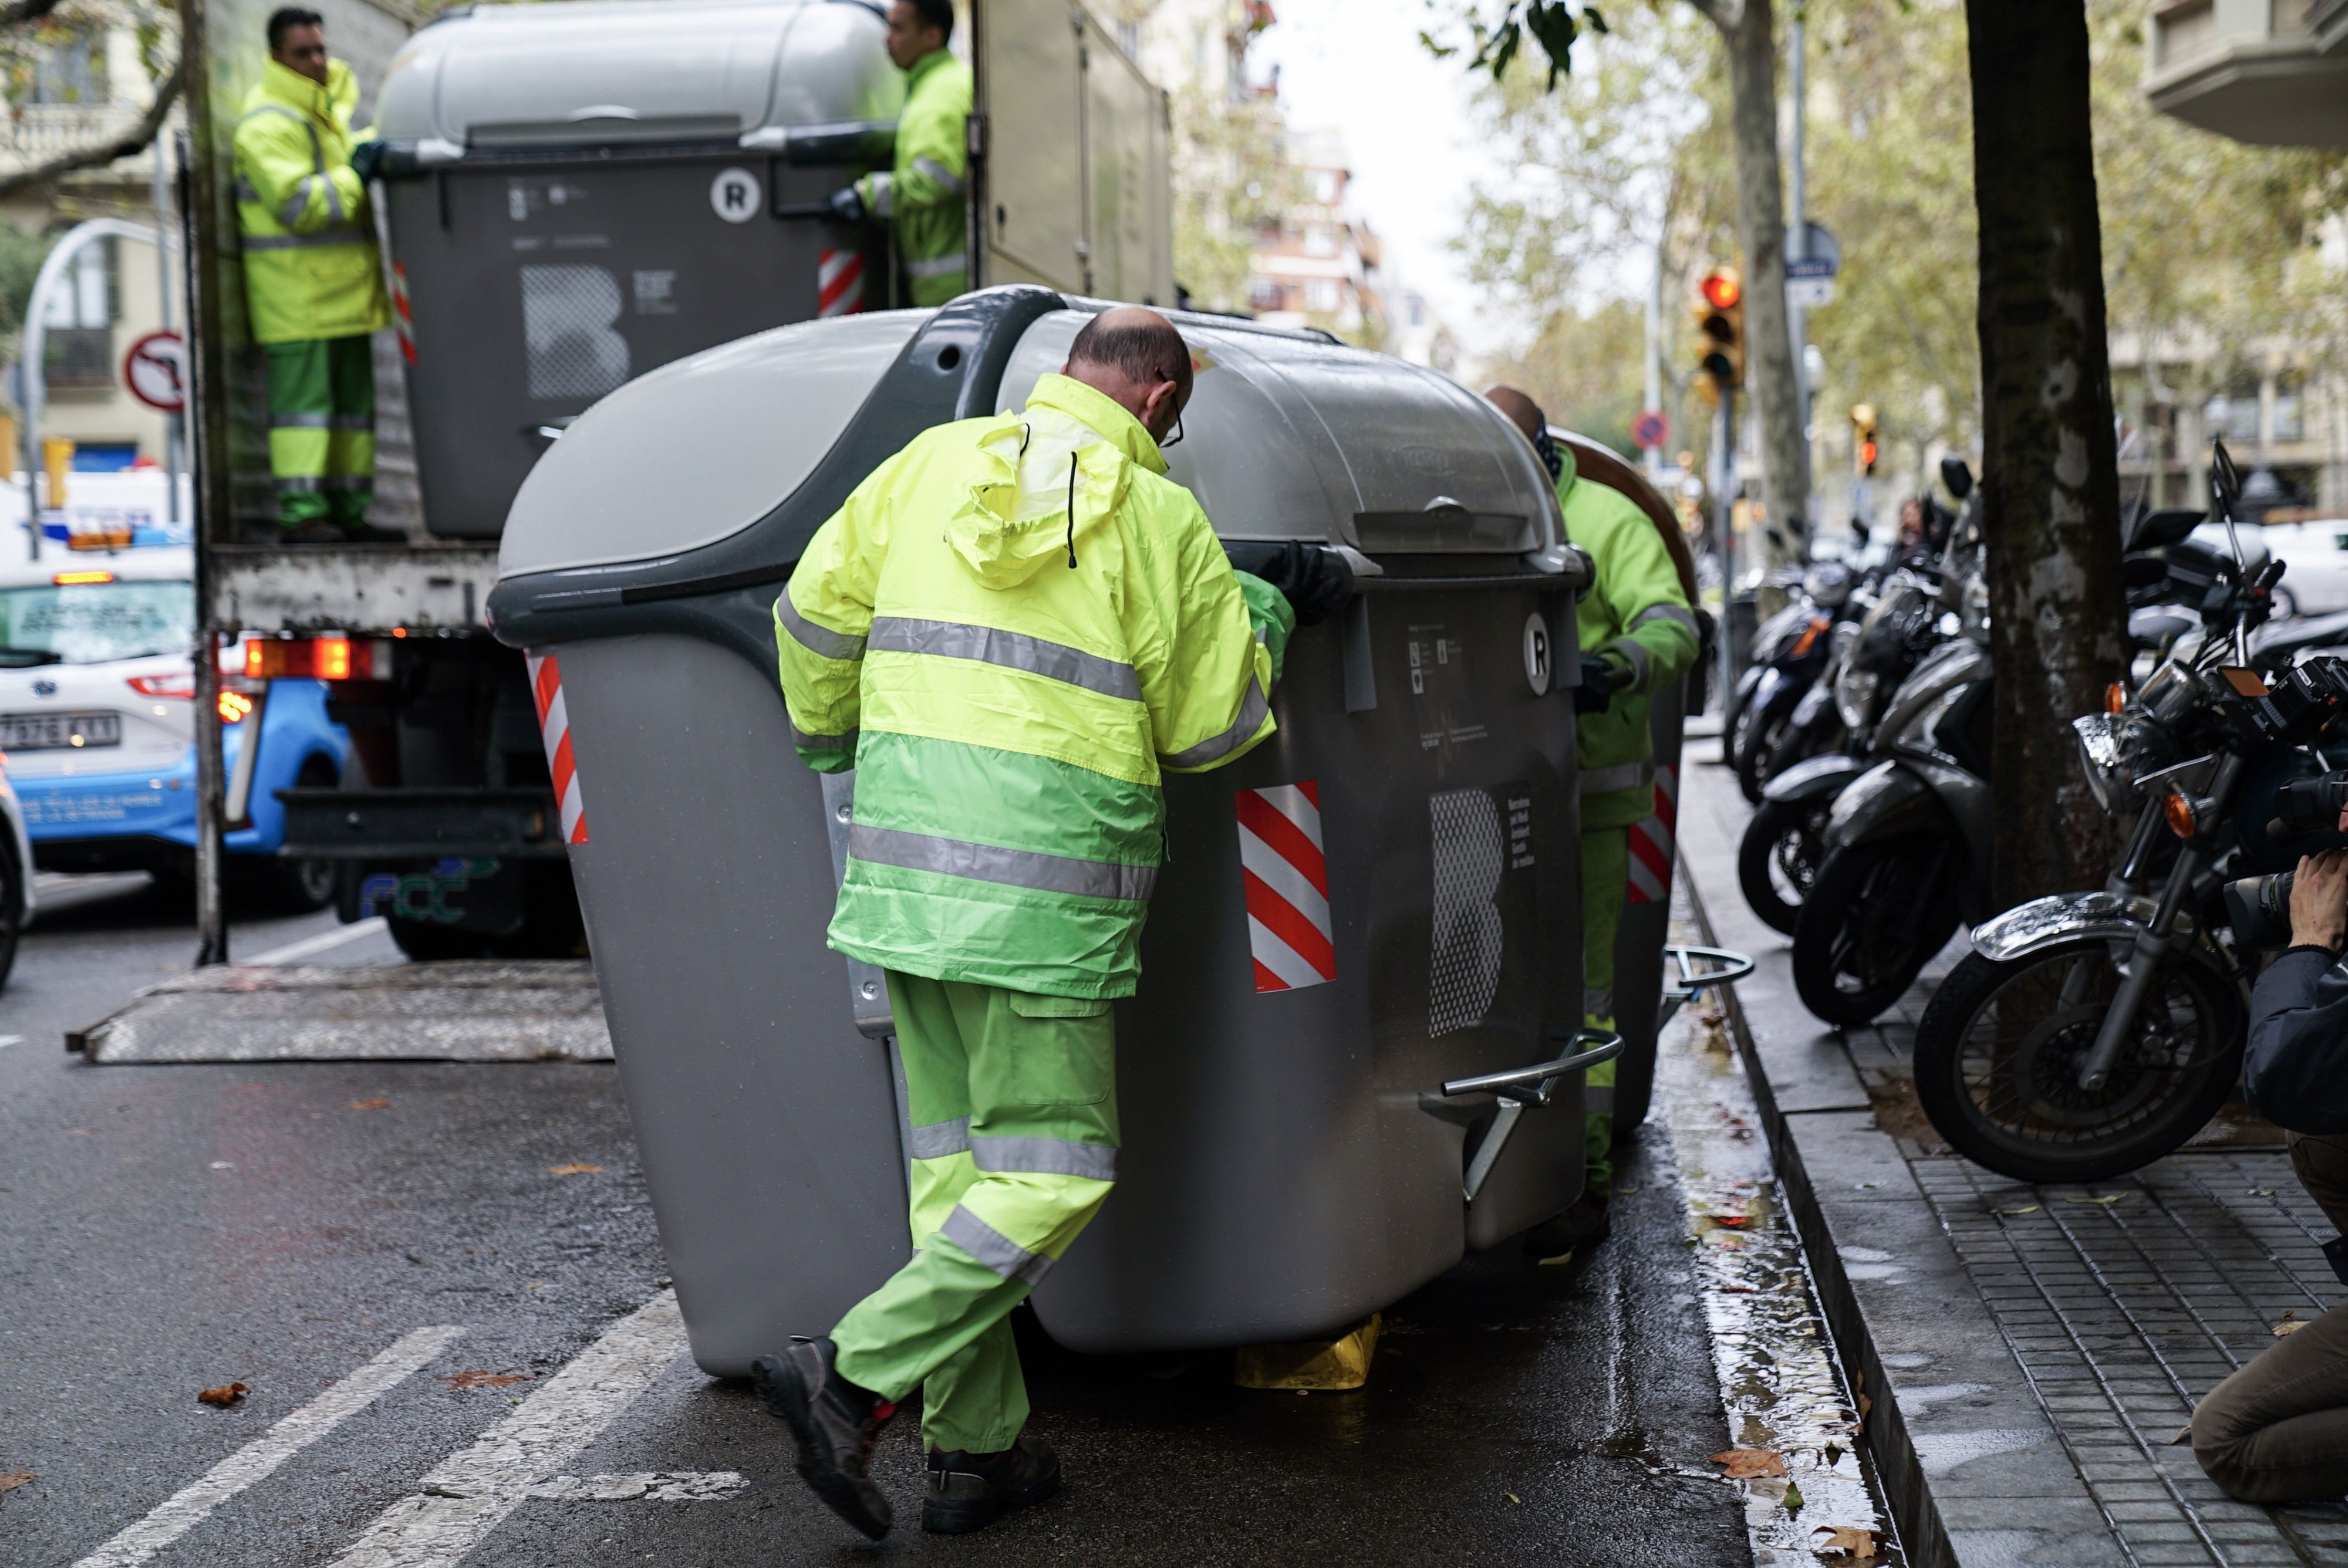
(1356, 1051)
(575, 194)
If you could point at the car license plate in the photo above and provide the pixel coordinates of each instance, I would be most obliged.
(49, 732)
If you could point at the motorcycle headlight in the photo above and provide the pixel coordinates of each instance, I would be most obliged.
(1855, 697)
(2099, 759)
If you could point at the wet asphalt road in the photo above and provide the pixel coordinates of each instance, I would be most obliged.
(168, 1229)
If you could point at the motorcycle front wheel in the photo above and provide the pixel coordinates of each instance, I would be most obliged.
(1778, 861)
(1998, 1054)
(1873, 919)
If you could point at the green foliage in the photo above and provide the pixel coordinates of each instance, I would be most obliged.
(1552, 24)
(1231, 179)
(22, 252)
(1586, 371)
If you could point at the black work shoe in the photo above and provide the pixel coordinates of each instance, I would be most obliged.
(970, 1491)
(835, 1423)
(1579, 1229)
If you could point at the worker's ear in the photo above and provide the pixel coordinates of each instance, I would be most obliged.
(1161, 407)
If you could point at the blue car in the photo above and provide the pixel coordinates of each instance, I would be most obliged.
(98, 724)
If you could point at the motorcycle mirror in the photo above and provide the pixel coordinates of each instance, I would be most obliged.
(2225, 480)
(1957, 475)
(1862, 530)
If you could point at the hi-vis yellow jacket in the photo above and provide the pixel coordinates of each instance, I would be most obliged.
(1007, 676)
(311, 269)
(923, 193)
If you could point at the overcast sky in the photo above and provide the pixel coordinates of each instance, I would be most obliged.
(1357, 65)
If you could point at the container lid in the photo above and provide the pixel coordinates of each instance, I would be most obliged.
(599, 72)
(701, 448)
(1291, 437)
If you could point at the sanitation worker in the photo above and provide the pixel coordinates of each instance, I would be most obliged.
(1637, 632)
(312, 280)
(1008, 631)
(922, 196)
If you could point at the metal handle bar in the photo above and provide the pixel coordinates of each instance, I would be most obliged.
(1522, 1079)
(1690, 985)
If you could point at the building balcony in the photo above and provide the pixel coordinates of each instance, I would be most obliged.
(33, 134)
(2271, 72)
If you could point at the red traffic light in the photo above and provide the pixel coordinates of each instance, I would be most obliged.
(1867, 453)
(1722, 291)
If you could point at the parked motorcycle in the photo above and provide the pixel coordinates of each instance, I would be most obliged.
(2089, 1034)
(1800, 652)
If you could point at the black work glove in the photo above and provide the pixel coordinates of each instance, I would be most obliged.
(1601, 679)
(1316, 582)
(366, 158)
(848, 203)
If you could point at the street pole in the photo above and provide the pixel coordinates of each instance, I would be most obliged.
(166, 226)
(1723, 484)
(1798, 241)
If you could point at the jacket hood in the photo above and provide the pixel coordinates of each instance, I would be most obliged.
(1051, 478)
(335, 101)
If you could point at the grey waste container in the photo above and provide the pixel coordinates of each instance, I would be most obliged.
(1291, 1162)
(578, 193)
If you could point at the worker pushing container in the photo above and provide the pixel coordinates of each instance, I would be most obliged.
(1380, 901)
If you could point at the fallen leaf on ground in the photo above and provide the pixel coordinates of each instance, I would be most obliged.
(571, 1170)
(1866, 1407)
(1793, 1497)
(2032, 1209)
(1844, 1539)
(225, 1395)
(2184, 1435)
(1744, 1463)
(15, 1479)
(2106, 1198)
(1731, 1219)
(1833, 1451)
(2260, 1191)
(2287, 1325)
(377, 1104)
(485, 1379)
(1512, 1497)
(1865, 1186)
(1729, 1243)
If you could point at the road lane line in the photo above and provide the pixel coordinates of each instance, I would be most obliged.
(467, 1495)
(293, 951)
(8, 1040)
(255, 1460)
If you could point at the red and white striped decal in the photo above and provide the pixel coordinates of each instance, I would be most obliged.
(554, 729)
(403, 315)
(1652, 842)
(839, 282)
(1287, 877)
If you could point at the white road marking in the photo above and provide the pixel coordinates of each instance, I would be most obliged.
(8, 1040)
(255, 1460)
(467, 1495)
(293, 951)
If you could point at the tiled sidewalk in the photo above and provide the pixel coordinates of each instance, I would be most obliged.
(2043, 1346)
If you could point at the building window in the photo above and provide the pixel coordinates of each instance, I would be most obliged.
(79, 349)
(2289, 417)
(1320, 239)
(1325, 187)
(2234, 413)
(1266, 294)
(72, 72)
(1321, 295)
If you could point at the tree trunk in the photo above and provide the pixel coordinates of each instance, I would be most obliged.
(1750, 38)
(2049, 485)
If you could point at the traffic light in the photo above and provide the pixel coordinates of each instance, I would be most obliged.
(1720, 325)
(1864, 448)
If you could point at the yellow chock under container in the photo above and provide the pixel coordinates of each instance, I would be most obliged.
(1342, 1363)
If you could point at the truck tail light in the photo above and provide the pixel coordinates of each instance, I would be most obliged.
(233, 707)
(318, 659)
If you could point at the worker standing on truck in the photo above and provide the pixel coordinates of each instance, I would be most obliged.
(1008, 631)
(312, 280)
(1637, 632)
(923, 194)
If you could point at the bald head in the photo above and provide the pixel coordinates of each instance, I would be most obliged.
(1135, 358)
(1523, 410)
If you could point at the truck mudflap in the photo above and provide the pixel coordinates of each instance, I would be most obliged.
(422, 823)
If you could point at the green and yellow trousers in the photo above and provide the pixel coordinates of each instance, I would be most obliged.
(321, 429)
(1605, 883)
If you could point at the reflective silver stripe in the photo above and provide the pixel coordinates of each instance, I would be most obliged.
(1668, 612)
(1043, 1157)
(351, 422)
(1011, 650)
(1643, 664)
(348, 234)
(806, 742)
(940, 1139)
(299, 202)
(1252, 714)
(333, 200)
(1606, 781)
(992, 1248)
(820, 640)
(941, 174)
(299, 420)
(351, 482)
(939, 266)
(884, 194)
(1598, 1004)
(1011, 867)
(299, 482)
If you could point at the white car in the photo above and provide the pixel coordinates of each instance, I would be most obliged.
(15, 872)
(2315, 557)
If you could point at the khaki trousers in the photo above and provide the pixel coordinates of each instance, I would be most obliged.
(2277, 1430)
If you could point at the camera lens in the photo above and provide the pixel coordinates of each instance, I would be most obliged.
(2259, 910)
